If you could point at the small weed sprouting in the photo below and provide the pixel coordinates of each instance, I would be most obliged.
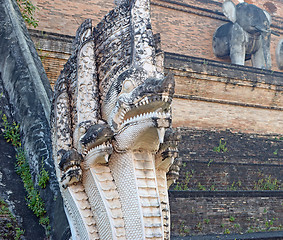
(183, 231)
(4, 211)
(27, 10)
(209, 162)
(33, 199)
(237, 226)
(206, 221)
(201, 187)
(11, 133)
(221, 147)
(232, 219)
(43, 177)
(19, 233)
(235, 186)
(227, 231)
(267, 183)
(199, 226)
(184, 186)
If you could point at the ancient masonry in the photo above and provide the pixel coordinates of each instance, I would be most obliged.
(112, 141)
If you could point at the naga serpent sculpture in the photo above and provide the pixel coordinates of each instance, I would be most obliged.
(112, 141)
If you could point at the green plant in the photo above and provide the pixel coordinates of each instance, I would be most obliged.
(183, 231)
(209, 162)
(267, 183)
(199, 226)
(275, 152)
(232, 219)
(269, 223)
(9, 225)
(44, 221)
(19, 233)
(201, 187)
(237, 226)
(27, 10)
(221, 147)
(11, 132)
(251, 229)
(4, 211)
(184, 186)
(34, 201)
(233, 187)
(43, 177)
(206, 221)
(226, 231)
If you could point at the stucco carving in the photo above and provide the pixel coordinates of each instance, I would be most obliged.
(112, 139)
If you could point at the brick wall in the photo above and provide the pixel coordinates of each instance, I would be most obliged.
(245, 162)
(200, 213)
(186, 27)
(54, 51)
(215, 95)
(236, 188)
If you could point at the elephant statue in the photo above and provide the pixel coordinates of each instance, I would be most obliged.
(279, 54)
(246, 37)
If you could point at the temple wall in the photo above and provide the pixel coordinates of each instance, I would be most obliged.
(228, 191)
(186, 27)
(214, 95)
(225, 213)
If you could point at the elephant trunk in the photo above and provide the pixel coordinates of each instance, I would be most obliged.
(265, 39)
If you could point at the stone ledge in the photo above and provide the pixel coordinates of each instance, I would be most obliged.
(188, 194)
(221, 69)
(258, 235)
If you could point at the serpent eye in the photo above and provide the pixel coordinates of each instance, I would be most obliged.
(128, 86)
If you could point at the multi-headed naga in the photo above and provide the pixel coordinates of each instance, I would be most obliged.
(112, 141)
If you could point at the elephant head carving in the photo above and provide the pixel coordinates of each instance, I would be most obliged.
(246, 36)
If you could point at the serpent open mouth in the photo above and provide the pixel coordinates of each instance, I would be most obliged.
(96, 140)
(154, 106)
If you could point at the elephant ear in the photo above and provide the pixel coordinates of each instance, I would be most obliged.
(229, 10)
(268, 16)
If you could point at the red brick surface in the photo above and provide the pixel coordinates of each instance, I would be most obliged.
(184, 29)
